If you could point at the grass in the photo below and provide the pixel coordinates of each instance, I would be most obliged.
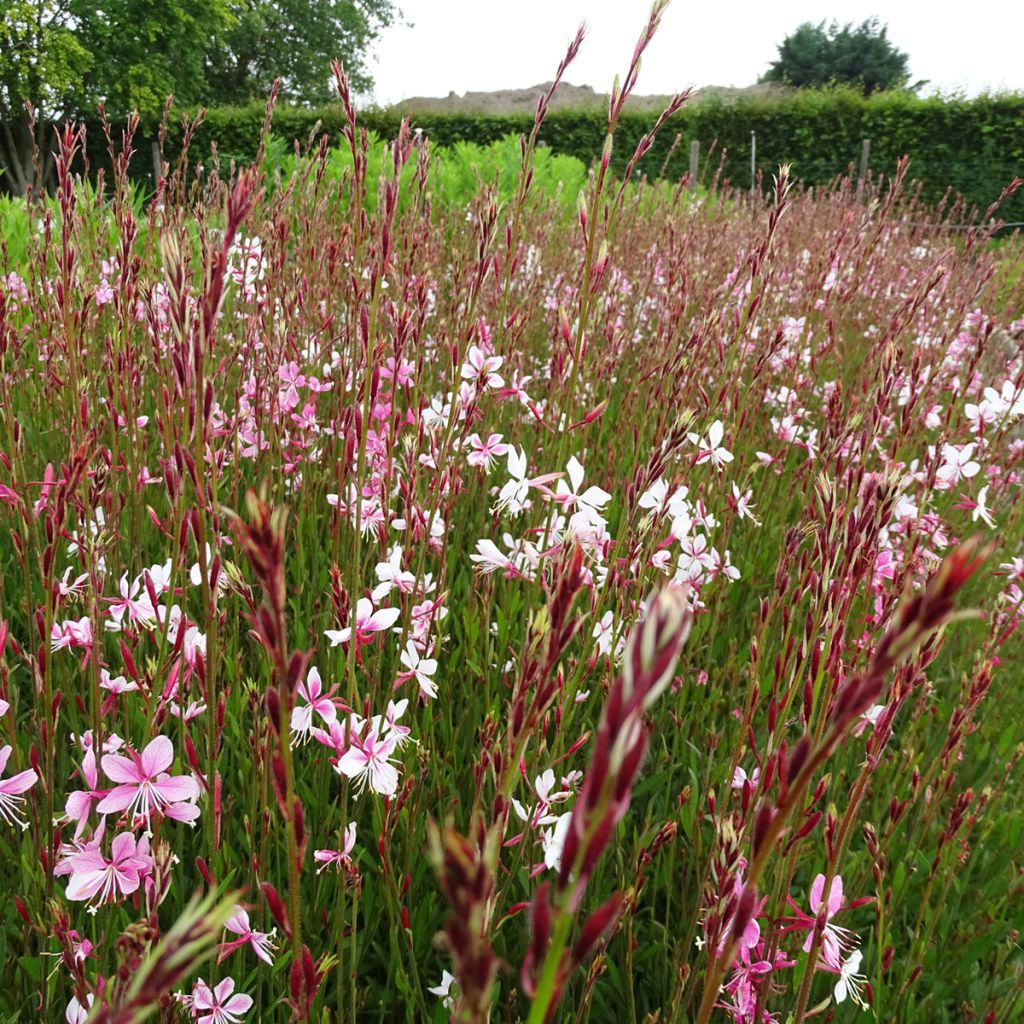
(752, 443)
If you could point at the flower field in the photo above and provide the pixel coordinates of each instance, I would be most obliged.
(509, 610)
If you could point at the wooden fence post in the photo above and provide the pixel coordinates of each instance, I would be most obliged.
(694, 159)
(865, 155)
(753, 161)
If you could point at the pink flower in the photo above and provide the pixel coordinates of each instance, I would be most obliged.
(317, 701)
(134, 601)
(218, 1005)
(338, 858)
(485, 452)
(94, 877)
(740, 776)
(71, 634)
(261, 942)
(835, 940)
(145, 786)
(402, 372)
(481, 367)
(11, 790)
(368, 763)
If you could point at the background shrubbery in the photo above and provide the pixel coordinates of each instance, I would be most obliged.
(973, 146)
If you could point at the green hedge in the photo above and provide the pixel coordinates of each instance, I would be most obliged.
(976, 146)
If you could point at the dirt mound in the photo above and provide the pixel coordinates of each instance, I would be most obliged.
(568, 97)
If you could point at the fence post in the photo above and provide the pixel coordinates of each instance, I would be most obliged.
(753, 161)
(694, 159)
(157, 162)
(865, 155)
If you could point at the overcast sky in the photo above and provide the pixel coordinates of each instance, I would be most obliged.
(469, 45)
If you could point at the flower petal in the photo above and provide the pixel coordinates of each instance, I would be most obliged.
(157, 757)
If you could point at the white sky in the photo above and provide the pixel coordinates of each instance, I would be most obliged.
(470, 45)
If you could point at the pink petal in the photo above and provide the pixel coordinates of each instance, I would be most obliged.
(327, 711)
(817, 888)
(123, 847)
(84, 886)
(186, 813)
(77, 804)
(157, 757)
(118, 799)
(313, 684)
(352, 762)
(238, 922)
(177, 788)
(238, 1004)
(84, 862)
(223, 990)
(18, 783)
(202, 997)
(120, 769)
(5, 754)
(128, 880)
(835, 896)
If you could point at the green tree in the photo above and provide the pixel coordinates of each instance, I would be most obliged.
(295, 41)
(862, 56)
(42, 60)
(67, 56)
(147, 50)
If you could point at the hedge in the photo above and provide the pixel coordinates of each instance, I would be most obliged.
(975, 146)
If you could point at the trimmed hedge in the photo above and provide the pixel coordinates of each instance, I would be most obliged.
(974, 146)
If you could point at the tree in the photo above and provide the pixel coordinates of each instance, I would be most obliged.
(861, 56)
(67, 56)
(42, 60)
(294, 40)
(147, 50)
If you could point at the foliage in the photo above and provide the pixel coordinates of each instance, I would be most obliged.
(974, 147)
(42, 59)
(66, 56)
(814, 56)
(293, 41)
(142, 53)
(69, 56)
(456, 173)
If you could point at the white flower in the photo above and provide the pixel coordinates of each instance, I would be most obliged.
(850, 982)
(422, 668)
(515, 495)
(444, 990)
(981, 510)
(368, 622)
(593, 497)
(957, 465)
(711, 448)
(553, 841)
(391, 575)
